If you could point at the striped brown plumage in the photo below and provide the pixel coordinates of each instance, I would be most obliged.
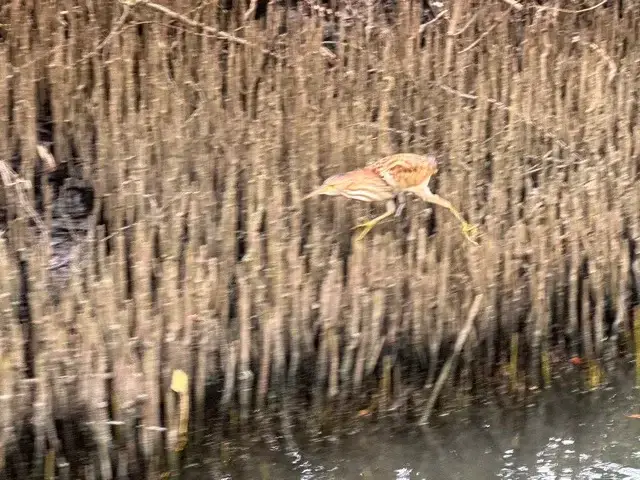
(405, 170)
(384, 180)
(362, 184)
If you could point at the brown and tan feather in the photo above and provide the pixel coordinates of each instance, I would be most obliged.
(405, 170)
(384, 179)
(361, 184)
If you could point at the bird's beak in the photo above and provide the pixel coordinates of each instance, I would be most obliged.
(318, 191)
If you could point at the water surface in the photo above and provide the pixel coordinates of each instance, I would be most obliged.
(562, 434)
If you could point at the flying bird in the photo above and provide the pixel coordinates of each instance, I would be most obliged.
(386, 180)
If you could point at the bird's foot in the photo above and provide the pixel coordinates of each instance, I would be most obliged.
(401, 203)
(469, 231)
(366, 228)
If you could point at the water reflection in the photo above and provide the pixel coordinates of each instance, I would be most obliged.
(563, 435)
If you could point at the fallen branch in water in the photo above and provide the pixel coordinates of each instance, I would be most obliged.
(444, 374)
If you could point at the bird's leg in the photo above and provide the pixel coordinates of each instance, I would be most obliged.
(391, 208)
(401, 203)
(467, 228)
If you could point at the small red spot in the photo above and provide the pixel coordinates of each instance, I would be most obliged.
(576, 360)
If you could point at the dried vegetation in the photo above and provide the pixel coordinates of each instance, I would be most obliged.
(191, 154)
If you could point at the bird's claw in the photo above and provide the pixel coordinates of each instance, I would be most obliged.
(468, 231)
(366, 228)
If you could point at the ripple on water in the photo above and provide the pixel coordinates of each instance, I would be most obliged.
(571, 437)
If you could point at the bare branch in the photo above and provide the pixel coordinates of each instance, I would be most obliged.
(514, 4)
(192, 23)
(424, 26)
(114, 31)
(251, 10)
(46, 156)
(484, 34)
(564, 10)
(464, 28)
(462, 338)
(502, 106)
(613, 68)
(11, 179)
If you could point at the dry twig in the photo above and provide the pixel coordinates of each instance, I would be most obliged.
(542, 8)
(11, 179)
(192, 23)
(514, 4)
(444, 374)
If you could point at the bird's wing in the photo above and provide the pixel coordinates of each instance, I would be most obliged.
(405, 170)
(366, 185)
